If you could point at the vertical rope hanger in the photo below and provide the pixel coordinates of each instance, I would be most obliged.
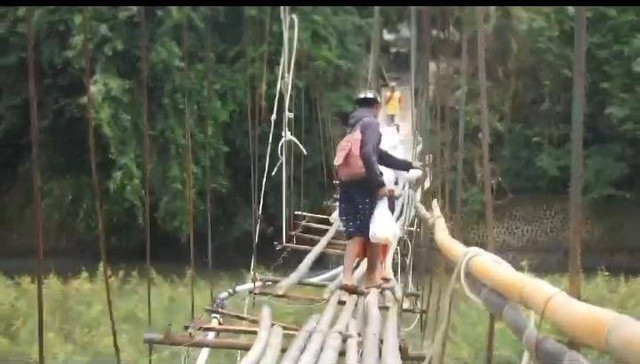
(189, 163)
(94, 181)
(147, 161)
(35, 167)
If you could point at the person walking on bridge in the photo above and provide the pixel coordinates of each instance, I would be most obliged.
(393, 103)
(361, 184)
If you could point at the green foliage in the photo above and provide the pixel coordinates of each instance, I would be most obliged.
(212, 91)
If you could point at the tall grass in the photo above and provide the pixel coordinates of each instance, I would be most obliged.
(77, 325)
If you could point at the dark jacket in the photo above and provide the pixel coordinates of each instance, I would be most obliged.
(370, 152)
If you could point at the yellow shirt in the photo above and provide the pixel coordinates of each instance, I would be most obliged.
(393, 106)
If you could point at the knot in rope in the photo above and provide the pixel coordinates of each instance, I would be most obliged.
(287, 136)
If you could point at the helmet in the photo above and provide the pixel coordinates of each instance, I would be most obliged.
(368, 96)
(392, 84)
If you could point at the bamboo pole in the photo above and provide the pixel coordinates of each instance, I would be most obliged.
(247, 318)
(360, 317)
(352, 342)
(461, 122)
(188, 341)
(577, 158)
(146, 131)
(333, 344)
(274, 347)
(96, 183)
(297, 346)
(486, 171)
(272, 279)
(390, 343)
(37, 182)
(259, 345)
(597, 327)
(296, 297)
(544, 349)
(314, 346)
(188, 163)
(371, 337)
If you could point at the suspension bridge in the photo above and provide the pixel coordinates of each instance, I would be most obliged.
(363, 327)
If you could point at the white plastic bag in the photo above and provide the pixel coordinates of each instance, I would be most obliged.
(383, 228)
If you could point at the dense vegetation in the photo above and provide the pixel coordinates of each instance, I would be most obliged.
(529, 64)
(88, 339)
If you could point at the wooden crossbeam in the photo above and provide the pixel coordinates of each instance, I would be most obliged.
(231, 329)
(273, 279)
(314, 238)
(242, 317)
(309, 248)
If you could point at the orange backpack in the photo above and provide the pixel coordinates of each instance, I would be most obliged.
(348, 163)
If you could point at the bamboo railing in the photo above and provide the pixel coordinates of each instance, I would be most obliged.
(597, 327)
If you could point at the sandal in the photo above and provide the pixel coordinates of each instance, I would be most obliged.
(349, 288)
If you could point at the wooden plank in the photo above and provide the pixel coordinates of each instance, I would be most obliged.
(242, 317)
(305, 248)
(289, 296)
(244, 330)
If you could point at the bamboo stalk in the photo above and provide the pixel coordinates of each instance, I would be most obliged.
(371, 338)
(597, 327)
(247, 318)
(352, 342)
(390, 343)
(259, 345)
(96, 183)
(305, 266)
(37, 182)
(297, 346)
(274, 346)
(314, 346)
(333, 344)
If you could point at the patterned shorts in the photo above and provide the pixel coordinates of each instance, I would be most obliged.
(356, 206)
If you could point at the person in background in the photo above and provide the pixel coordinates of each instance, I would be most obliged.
(393, 103)
(358, 198)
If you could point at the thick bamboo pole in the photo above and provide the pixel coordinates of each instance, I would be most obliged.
(390, 343)
(314, 346)
(371, 338)
(37, 182)
(542, 348)
(297, 346)
(304, 267)
(309, 249)
(351, 356)
(333, 344)
(274, 346)
(597, 327)
(260, 344)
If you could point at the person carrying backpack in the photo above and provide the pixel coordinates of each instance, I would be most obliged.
(361, 184)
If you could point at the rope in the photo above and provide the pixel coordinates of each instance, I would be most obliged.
(434, 349)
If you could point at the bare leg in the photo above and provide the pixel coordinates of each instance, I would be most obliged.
(350, 255)
(373, 264)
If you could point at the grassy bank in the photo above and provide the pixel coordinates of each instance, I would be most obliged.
(77, 327)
